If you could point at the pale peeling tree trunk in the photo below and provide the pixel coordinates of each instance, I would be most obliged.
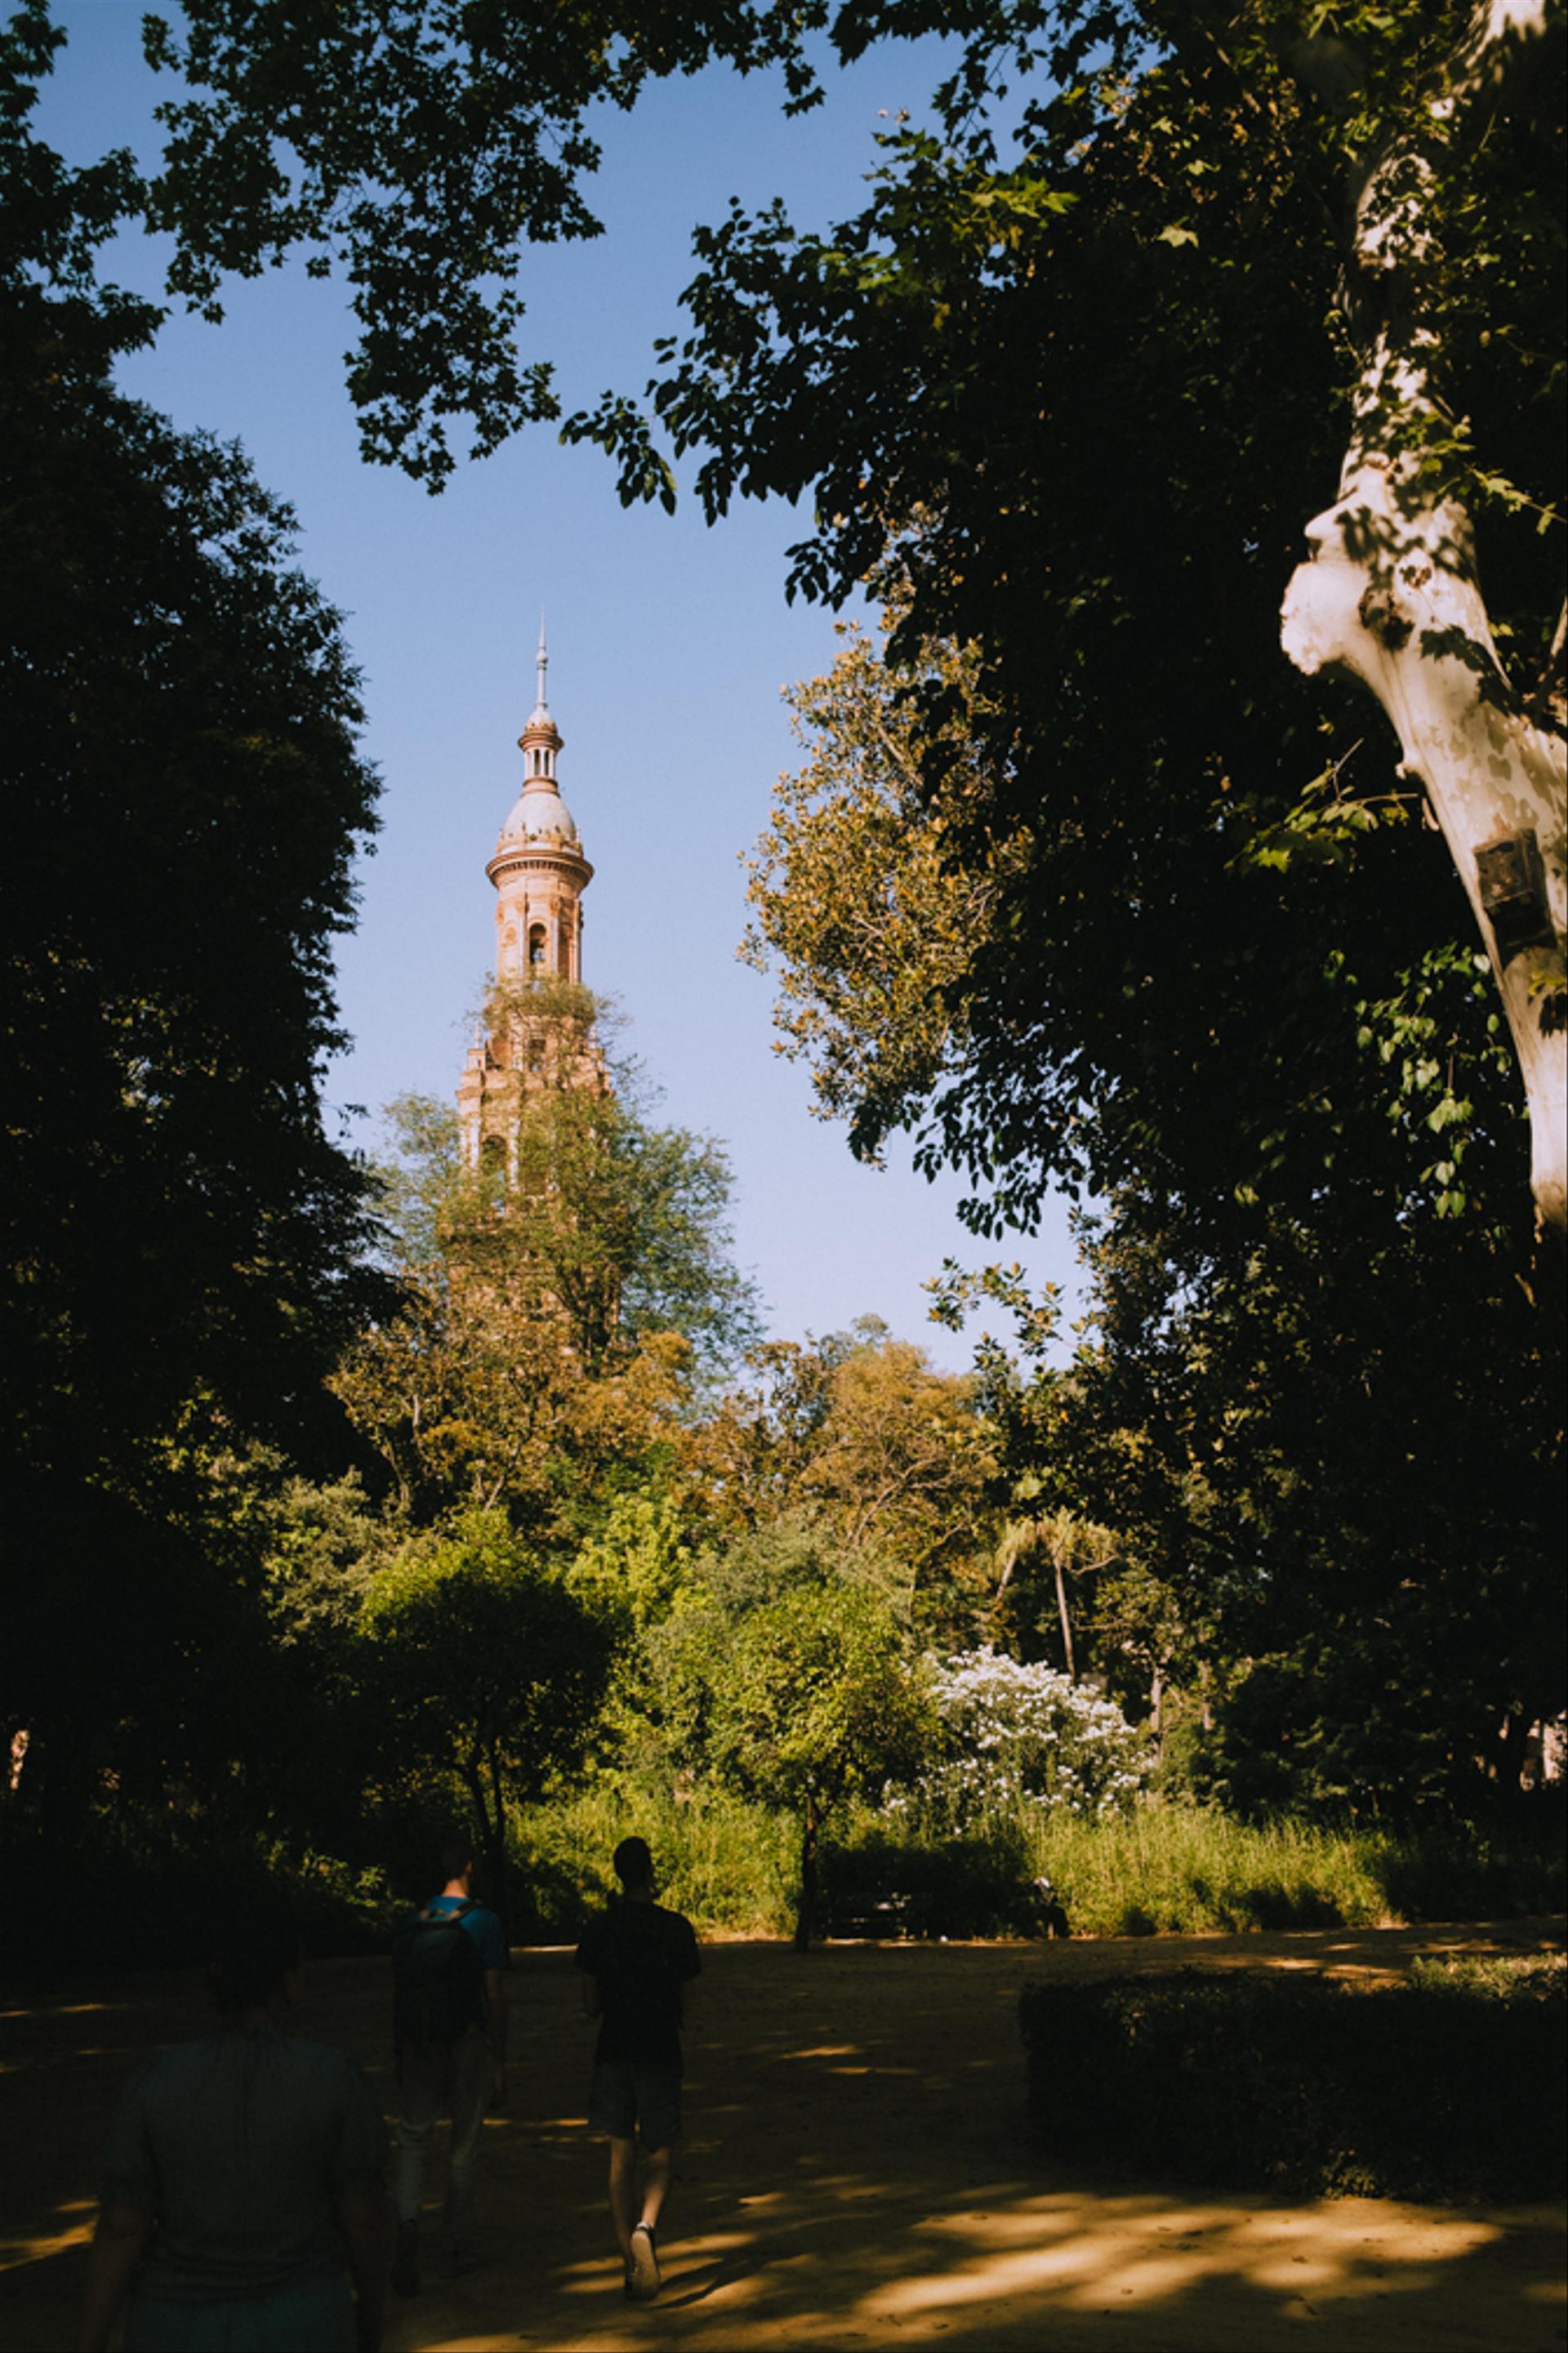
(1390, 594)
(1064, 1614)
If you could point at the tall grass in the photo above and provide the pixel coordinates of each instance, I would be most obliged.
(1176, 1870)
(146, 1889)
(1168, 1870)
(727, 1865)
(1162, 1870)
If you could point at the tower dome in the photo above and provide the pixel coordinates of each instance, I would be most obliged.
(538, 814)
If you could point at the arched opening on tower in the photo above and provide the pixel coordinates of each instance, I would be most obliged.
(536, 948)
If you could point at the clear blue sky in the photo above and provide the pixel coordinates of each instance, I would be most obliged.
(669, 646)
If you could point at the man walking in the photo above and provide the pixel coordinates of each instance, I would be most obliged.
(244, 2184)
(638, 1962)
(449, 2033)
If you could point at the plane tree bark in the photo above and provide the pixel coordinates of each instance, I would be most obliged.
(1390, 592)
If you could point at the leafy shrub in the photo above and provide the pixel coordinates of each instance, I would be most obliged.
(1445, 2087)
(1431, 1874)
(941, 1887)
(1016, 1735)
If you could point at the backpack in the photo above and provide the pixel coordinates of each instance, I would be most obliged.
(437, 1978)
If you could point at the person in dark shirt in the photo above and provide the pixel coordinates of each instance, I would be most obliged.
(244, 2183)
(639, 1962)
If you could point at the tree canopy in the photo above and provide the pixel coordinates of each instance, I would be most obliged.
(415, 146)
(493, 1665)
(185, 1240)
(562, 1304)
(1313, 1048)
(1332, 1573)
(798, 1696)
(1072, 386)
(1101, 871)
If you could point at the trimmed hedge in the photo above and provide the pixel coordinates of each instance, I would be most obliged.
(1448, 2086)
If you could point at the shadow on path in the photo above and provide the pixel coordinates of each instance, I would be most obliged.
(857, 2170)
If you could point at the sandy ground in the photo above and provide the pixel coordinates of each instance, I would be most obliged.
(857, 2171)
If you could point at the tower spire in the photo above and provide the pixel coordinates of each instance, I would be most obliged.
(542, 659)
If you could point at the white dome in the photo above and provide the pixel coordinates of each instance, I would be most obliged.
(540, 814)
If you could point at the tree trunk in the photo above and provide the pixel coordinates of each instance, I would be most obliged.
(1065, 1615)
(499, 1889)
(490, 1809)
(1389, 595)
(811, 1823)
(1507, 1764)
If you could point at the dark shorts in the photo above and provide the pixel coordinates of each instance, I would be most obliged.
(633, 2093)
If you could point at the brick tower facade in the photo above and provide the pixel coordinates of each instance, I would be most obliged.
(539, 874)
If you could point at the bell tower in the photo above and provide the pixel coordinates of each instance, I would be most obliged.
(538, 870)
(539, 874)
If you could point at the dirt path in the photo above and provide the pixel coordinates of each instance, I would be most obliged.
(857, 2172)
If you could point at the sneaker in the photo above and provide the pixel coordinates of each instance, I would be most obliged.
(643, 2284)
(406, 2259)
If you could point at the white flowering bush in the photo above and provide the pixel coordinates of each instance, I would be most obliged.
(1013, 1734)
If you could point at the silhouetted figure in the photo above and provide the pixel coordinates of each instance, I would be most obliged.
(449, 2035)
(1049, 1910)
(638, 1963)
(245, 2181)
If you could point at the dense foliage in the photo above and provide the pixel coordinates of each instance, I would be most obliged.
(1355, 1569)
(535, 1357)
(1319, 1599)
(1434, 2089)
(491, 1666)
(339, 1503)
(1070, 387)
(1332, 1582)
(184, 1241)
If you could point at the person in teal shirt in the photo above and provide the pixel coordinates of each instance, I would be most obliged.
(461, 2076)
